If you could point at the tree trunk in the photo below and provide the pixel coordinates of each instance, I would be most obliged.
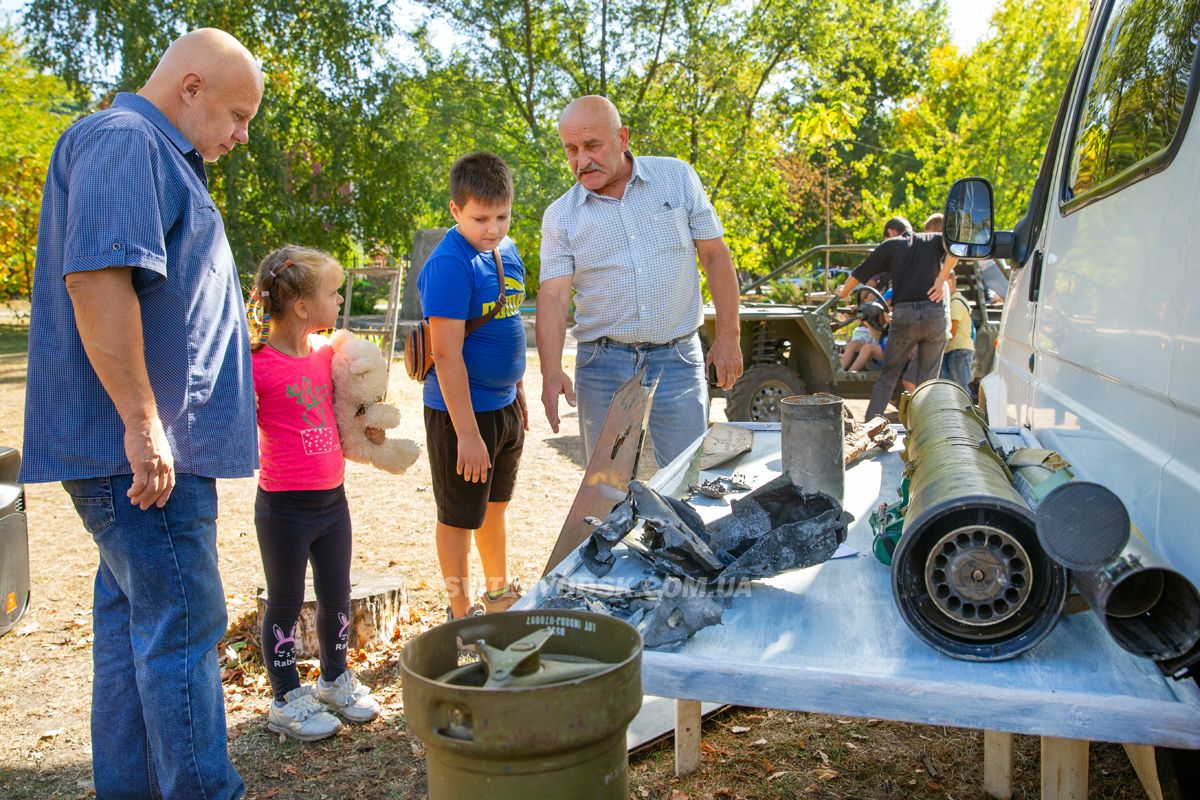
(378, 603)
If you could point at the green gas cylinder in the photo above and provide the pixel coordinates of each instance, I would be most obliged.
(524, 704)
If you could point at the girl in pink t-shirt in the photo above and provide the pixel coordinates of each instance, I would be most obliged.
(300, 512)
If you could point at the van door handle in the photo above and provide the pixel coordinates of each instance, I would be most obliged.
(1031, 362)
(1035, 277)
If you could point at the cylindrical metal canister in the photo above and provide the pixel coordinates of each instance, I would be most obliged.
(1148, 608)
(968, 574)
(812, 433)
(560, 740)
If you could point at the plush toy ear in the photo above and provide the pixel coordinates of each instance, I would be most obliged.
(340, 338)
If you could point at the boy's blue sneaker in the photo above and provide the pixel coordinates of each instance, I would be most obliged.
(348, 697)
(302, 717)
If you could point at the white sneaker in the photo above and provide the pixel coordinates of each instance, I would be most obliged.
(302, 717)
(348, 697)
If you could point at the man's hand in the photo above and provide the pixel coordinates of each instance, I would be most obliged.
(935, 291)
(726, 355)
(473, 461)
(552, 387)
(522, 404)
(152, 463)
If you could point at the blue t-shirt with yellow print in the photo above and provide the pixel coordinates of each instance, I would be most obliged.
(459, 282)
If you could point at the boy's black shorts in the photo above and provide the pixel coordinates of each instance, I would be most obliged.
(460, 503)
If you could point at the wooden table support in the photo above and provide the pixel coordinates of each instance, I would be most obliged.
(1141, 756)
(998, 764)
(1064, 769)
(687, 737)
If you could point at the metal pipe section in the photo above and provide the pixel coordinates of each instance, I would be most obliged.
(812, 441)
(968, 574)
(856, 249)
(1148, 608)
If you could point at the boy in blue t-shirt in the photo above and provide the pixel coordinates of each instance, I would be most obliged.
(475, 411)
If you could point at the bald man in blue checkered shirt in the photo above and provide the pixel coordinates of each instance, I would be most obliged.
(139, 397)
(626, 238)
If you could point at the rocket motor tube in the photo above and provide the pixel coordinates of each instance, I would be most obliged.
(968, 574)
(1148, 608)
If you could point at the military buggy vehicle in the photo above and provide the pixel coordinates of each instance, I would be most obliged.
(796, 349)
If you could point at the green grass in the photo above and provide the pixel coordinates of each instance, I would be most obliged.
(14, 339)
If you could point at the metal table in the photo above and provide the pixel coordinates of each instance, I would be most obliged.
(829, 639)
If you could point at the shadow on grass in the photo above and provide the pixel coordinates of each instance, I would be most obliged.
(14, 339)
(30, 783)
(380, 760)
(568, 447)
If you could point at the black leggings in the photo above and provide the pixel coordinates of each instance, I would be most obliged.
(293, 529)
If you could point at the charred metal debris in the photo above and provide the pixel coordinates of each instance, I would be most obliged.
(695, 570)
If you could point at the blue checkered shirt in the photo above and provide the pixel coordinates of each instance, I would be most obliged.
(632, 262)
(126, 189)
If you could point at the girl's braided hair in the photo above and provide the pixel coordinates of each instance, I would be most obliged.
(284, 276)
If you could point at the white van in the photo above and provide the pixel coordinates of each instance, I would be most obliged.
(1099, 347)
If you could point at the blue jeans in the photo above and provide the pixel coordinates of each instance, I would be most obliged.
(679, 410)
(158, 712)
(956, 366)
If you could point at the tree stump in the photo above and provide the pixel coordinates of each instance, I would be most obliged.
(378, 603)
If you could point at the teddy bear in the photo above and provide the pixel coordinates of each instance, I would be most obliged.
(359, 382)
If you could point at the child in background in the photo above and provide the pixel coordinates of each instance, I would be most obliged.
(300, 512)
(475, 411)
(863, 347)
(960, 344)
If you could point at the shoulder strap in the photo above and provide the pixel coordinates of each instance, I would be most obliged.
(475, 324)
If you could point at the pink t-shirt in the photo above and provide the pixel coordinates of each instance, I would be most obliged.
(298, 440)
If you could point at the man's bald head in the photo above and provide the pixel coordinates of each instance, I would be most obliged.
(209, 86)
(592, 110)
(595, 142)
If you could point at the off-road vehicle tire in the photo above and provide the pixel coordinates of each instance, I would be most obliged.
(757, 395)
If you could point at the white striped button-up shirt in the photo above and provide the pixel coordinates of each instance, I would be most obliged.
(632, 261)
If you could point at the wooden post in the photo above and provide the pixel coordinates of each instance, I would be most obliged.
(423, 243)
(1064, 769)
(687, 737)
(997, 764)
(1141, 756)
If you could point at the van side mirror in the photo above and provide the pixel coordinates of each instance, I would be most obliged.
(969, 232)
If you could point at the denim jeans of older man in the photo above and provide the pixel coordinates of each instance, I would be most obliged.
(158, 712)
(919, 325)
(679, 411)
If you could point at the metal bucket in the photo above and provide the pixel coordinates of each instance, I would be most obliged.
(811, 429)
(564, 738)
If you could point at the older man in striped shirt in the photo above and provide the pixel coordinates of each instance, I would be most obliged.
(625, 237)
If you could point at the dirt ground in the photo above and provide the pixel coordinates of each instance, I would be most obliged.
(45, 663)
